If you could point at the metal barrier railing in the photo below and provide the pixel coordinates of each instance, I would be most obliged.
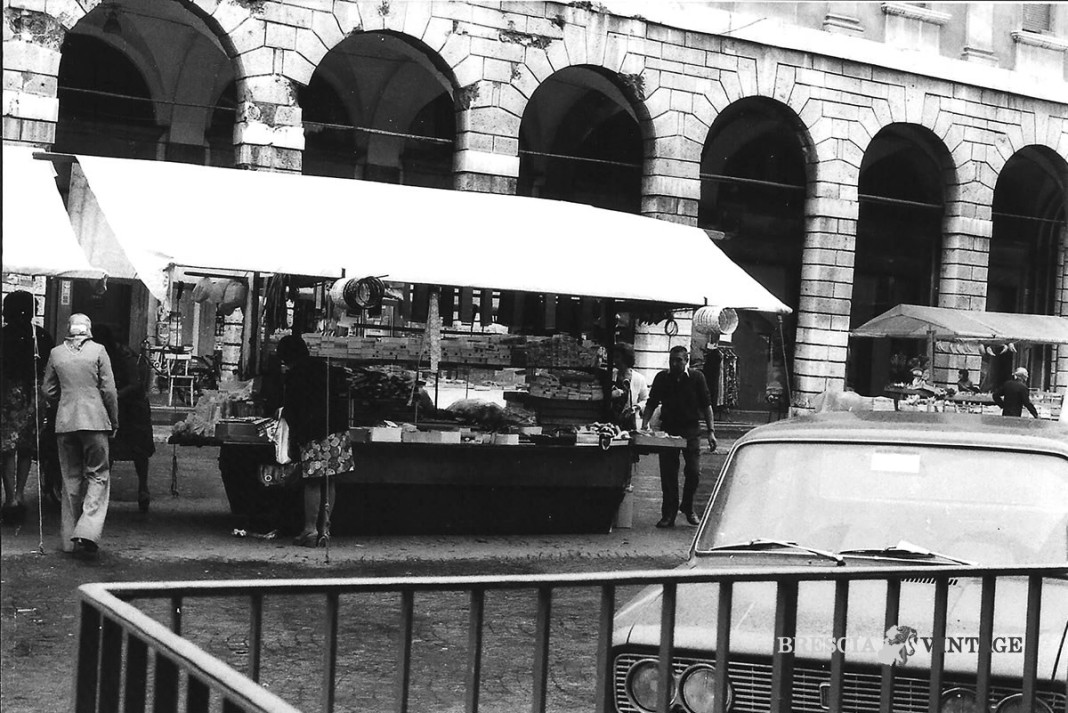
(112, 630)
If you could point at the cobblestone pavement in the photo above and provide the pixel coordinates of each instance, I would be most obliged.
(188, 537)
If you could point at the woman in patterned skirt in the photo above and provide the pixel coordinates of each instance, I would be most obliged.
(318, 429)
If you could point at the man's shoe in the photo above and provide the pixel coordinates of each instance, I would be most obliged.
(691, 518)
(666, 522)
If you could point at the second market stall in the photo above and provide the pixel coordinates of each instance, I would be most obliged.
(567, 269)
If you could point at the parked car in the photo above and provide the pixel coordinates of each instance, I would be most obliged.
(856, 490)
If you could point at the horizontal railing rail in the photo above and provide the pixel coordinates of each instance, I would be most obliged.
(114, 630)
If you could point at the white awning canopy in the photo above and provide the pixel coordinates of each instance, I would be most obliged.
(169, 214)
(940, 323)
(38, 237)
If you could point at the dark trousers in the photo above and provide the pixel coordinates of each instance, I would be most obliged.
(669, 477)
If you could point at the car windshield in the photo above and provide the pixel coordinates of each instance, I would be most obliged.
(982, 505)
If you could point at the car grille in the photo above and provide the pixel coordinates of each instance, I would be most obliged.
(751, 682)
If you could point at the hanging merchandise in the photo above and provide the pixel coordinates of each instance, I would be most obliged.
(729, 371)
(234, 295)
(202, 290)
(715, 320)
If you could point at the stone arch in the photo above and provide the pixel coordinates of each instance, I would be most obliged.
(385, 88)
(1028, 240)
(182, 102)
(756, 168)
(903, 188)
(582, 125)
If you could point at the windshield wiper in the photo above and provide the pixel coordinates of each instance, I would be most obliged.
(906, 550)
(762, 543)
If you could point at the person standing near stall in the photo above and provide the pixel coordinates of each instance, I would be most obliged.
(134, 439)
(79, 376)
(318, 429)
(25, 348)
(682, 395)
(630, 390)
(1013, 396)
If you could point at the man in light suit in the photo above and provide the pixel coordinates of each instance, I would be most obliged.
(79, 376)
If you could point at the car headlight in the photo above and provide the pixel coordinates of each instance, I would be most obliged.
(699, 689)
(959, 700)
(1014, 704)
(643, 683)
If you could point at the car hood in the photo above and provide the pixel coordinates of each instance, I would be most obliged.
(753, 620)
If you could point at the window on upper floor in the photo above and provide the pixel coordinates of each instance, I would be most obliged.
(1037, 17)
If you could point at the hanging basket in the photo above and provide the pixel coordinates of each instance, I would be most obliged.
(715, 320)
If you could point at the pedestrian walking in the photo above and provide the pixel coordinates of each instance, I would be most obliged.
(25, 347)
(683, 398)
(133, 442)
(79, 377)
(1013, 396)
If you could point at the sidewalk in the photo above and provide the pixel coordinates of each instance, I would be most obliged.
(197, 524)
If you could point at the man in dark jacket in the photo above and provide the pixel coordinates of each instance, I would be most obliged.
(683, 398)
(1013, 396)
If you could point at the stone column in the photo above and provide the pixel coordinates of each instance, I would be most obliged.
(268, 133)
(826, 294)
(671, 190)
(979, 34)
(963, 280)
(486, 158)
(1060, 380)
(31, 73)
(842, 19)
(671, 177)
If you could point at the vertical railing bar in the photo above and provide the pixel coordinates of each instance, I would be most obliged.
(893, 606)
(541, 649)
(474, 650)
(666, 675)
(136, 675)
(198, 696)
(605, 690)
(110, 670)
(1031, 634)
(723, 645)
(255, 635)
(85, 680)
(838, 632)
(938, 641)
(782, 659)
(176, 614)
(330, 650)
(404, 649)
(165, 698)
(986, 640)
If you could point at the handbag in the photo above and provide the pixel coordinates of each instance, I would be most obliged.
(278, 475)
(281, 441)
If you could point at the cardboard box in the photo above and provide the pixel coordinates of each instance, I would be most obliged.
(240, 430)
(657, 440)
(375, 434)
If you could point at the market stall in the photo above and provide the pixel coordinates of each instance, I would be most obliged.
(966, 332)
(490, 265)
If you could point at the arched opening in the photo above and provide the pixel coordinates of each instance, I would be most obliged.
(378, 107)
(145, 80)
(753, 179)
(1028, 227)
(898, 248)
(580, 141)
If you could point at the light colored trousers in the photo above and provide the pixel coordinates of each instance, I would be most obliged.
(83, 460)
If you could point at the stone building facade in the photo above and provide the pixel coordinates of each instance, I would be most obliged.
(851, 156)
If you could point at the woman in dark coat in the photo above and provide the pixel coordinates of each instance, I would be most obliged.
(318, 431)
(134, 440)
(22, 415)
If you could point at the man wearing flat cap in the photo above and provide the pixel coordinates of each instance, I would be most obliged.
(79, 376)
(1013, 396)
